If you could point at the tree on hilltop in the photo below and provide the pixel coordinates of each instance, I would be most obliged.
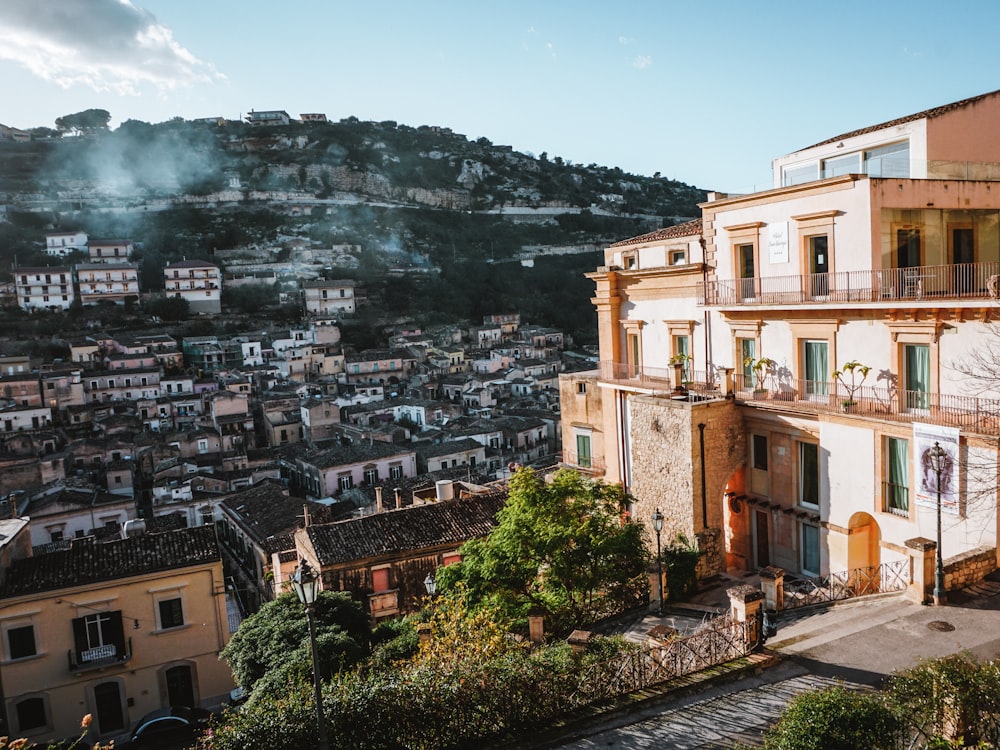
(84, 123)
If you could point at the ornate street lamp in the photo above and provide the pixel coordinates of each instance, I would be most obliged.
(430, 584)
(658, 526)
(305, 581)
(937, 456)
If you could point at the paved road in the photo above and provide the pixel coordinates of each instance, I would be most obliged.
(714, 720)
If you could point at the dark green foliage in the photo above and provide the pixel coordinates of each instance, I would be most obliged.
(559, 545)
(249, 298)
(88, 121)
(275, 640)
(836, 719)
(168, 308)
(953, 696)
(680, 559)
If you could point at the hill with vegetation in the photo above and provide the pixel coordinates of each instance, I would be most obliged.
(438, 226)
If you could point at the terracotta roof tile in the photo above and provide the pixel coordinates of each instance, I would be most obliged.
(414, 528)
(667, 233)
(93, 562)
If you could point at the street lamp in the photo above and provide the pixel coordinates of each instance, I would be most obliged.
(937, 456)
(430, 584)
(305, 581)
(658, 526)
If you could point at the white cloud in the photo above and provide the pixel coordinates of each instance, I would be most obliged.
(626, 40)
(642, 61)
(107, 45)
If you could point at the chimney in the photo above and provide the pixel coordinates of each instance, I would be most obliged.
(399, 498)
(378, 499)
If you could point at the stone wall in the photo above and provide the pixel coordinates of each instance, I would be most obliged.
(969, 567)
(666, 445)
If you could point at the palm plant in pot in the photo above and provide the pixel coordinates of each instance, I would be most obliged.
(851, 377)
(761, 368)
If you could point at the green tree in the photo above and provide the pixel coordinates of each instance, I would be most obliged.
(88, 121)
(274, 641)
(250, 298)
(559, 544)
(168, 308)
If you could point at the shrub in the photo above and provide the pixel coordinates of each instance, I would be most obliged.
(836, 719)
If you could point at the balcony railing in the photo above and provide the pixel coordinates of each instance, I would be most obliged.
(933, 283)
(584, 463)
(969, 413)
(660, 379)
(109, 655)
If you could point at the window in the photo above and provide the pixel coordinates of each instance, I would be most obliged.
(31, 714)
(380, 579)
(345, 481)
(745, 264)
(888, 161)
(396, 471)
(846, 164)
(917, 375)
(810, 549)
(758, 446)
(682, 351)
(815, 365)
(809, 474)
(678, 257)
(99, 636)
(896, 473)
(747, 353)
(21, 642)
(799, 174)
(581, 387)
(171, 613)
(371, 476)
(583, 457)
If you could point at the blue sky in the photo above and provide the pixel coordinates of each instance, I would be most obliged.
(706, 93)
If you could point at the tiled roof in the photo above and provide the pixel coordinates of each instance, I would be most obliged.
(448, 447)
(191, 264)
(267, 513)
(925, 114)
(339, 455)
(415, 528)
(123, 558)
(667, 233)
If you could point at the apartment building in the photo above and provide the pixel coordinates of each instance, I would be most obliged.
(335, 297)
(197, 281)
(776, 374)
(44, 288)
(110, 251)
(107, 282)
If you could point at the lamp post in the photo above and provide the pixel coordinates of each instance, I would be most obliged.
(937, 455)
(430, 584)
(305, 581)
(658, 526)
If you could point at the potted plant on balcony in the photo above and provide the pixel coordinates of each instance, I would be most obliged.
(680, 364)
(761, 369)
(852, 377)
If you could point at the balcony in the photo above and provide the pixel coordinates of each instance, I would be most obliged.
(888, 402)
(919, 283)
(586, 464)
(110, 655)
(697, 385)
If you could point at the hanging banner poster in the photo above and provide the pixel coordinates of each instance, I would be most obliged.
(924, 438)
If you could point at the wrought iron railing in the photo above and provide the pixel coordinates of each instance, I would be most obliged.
(970, 413)
(885, 578)
(961, 281)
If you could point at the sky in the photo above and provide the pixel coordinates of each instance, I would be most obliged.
(705, 93)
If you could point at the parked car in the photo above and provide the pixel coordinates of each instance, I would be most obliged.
(171, 728)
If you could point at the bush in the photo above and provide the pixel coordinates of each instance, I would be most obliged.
(836, 719)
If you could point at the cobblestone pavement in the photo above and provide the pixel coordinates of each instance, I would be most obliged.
(706, 723)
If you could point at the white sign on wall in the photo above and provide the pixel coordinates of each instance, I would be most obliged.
(777, 242)
(924, 437)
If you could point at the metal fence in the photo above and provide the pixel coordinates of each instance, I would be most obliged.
(880, 579)
(717, 641)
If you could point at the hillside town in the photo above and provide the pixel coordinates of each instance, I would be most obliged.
(794, 383)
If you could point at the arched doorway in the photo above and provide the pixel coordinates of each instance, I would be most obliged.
(864, 542)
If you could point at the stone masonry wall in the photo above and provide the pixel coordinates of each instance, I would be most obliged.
(968, 568)
(666, 468)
